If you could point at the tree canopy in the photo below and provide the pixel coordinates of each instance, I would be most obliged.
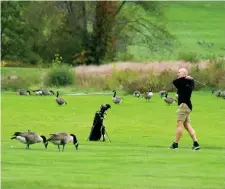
(82, 32)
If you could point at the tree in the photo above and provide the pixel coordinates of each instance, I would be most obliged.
(12, 31)
(89, 32)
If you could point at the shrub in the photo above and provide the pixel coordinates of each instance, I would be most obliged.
(60, 76)
(188, 57)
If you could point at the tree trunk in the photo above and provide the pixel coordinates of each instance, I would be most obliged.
(85, 37)
(103, 39)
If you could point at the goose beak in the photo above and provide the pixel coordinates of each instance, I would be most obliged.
(46, 145)
(76, 145)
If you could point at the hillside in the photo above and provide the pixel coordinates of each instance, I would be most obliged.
(191, 22)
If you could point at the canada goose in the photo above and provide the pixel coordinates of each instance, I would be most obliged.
(47, 92)
(213, 91)
(137, 94)
(169, 100)
(162, 93)
(60, 101)
(115, 99)
(29, 138)
(23, 92)
(148, 95)
(217, 93)
(62, 138)
(222, 94)
(200, 42)
(38, 92)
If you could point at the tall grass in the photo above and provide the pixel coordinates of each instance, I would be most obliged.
(140, 76)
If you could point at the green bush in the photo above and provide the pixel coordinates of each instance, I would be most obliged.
(188, 57)
(60, 76)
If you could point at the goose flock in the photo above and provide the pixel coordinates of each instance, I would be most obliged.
(59, 138)
(43, 92)
(63, 138)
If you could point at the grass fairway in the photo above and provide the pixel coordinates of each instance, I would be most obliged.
(137, 158)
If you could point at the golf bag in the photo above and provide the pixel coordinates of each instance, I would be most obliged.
(98, 128)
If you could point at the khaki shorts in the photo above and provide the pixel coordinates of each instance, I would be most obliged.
(183, 113)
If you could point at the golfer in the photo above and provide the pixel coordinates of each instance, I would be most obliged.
(184, 85)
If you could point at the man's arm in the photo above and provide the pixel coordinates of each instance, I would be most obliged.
(179, 82)
(191, 80)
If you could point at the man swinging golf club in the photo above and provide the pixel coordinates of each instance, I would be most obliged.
(185, 86)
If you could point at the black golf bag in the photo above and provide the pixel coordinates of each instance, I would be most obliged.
(98, 128)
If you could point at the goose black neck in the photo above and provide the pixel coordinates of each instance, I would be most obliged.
(44, 139)
(114, 95)
(74, 138)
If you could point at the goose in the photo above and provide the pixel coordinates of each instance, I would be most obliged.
(60, 101)
(62, 138)
(162, 93)
(115, 99)
(148, 95)
(137, 94)
(217, 93)
(47, 92)
(169, 100)
(213, 91)
(222, 94)
(29, 138)
(23, 92)
(38, 92)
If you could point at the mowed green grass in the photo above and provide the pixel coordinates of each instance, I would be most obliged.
(137, 158)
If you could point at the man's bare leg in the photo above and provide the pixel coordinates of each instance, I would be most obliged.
(192, 133)
(179, 131)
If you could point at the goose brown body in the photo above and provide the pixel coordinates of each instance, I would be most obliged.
(169, 100)
(29, 138)
(62, 138)
(148, 95)
(23, 92)
(116, 99)
(60, 101)
(137, 94)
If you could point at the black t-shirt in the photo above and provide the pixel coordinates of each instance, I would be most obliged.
(184, 90)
